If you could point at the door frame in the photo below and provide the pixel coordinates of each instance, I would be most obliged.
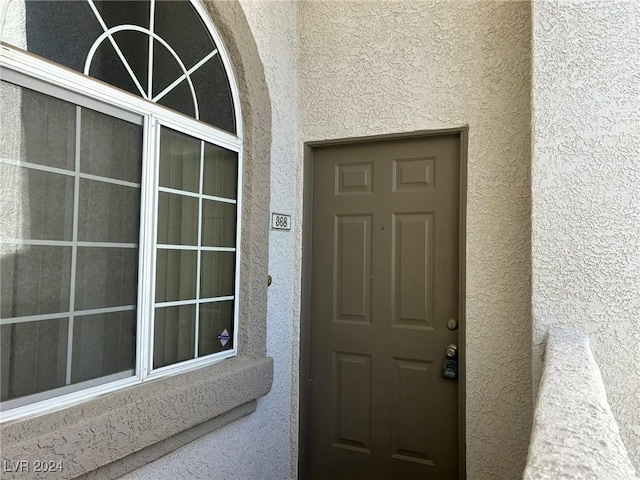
(305, 306)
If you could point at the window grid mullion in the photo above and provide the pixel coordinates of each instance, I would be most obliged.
(152, 25)
(187, 193)
(71, 173)
(193, 301)
(74, 246)
(199, 252)
(169, 246)
(66, 243)
(52, 316)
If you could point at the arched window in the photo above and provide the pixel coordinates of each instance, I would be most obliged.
(120, 161)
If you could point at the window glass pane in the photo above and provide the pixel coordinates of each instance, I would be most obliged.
(34, 280)
(214, 95)
(61, 31)
(173, 20)
(116, 12)
(103, 344)
(179, 161)
(110, 147)
(177, 219)
(215, 332)
(37, 205)
(174, 335)
(218, 224)
(220, 172)
(49, 130)
(107, 66)
(134, 46)
(217, 274)
(106, 277)
(175, 275)
(108, 213)
(36, 128)
(170, 69)
(33, 357)
(180, 99)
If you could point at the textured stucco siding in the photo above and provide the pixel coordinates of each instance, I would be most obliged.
(261, 446)
(586, 189)
(381, 67)
(574, 433)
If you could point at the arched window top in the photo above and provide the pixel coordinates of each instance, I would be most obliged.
(161, 50)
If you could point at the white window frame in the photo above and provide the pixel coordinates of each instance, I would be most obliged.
(50, 79)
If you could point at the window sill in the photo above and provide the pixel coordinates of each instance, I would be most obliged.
(96, 433)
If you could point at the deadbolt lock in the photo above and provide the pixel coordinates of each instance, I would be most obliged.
(452, 324)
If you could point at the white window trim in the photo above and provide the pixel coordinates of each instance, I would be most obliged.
(52, 79)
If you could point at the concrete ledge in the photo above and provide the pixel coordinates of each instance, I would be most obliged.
(101, 431)
(136, 460)
(575, 435)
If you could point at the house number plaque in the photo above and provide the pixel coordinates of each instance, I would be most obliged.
(280, 221)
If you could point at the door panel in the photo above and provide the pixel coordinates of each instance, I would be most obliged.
(353, 268)
(411, 382)
(384, 284)
(352, 402)
(412, 270)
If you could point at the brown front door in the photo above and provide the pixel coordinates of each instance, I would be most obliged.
(384, 285)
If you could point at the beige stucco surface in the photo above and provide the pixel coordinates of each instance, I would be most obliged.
(575, 435)
(369, 68)
(585, 189)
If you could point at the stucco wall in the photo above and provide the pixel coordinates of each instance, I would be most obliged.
(261, 446)
(585, 189)
(380, 67)
(574, 432)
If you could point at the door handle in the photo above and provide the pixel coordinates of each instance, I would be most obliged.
(452, 351)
